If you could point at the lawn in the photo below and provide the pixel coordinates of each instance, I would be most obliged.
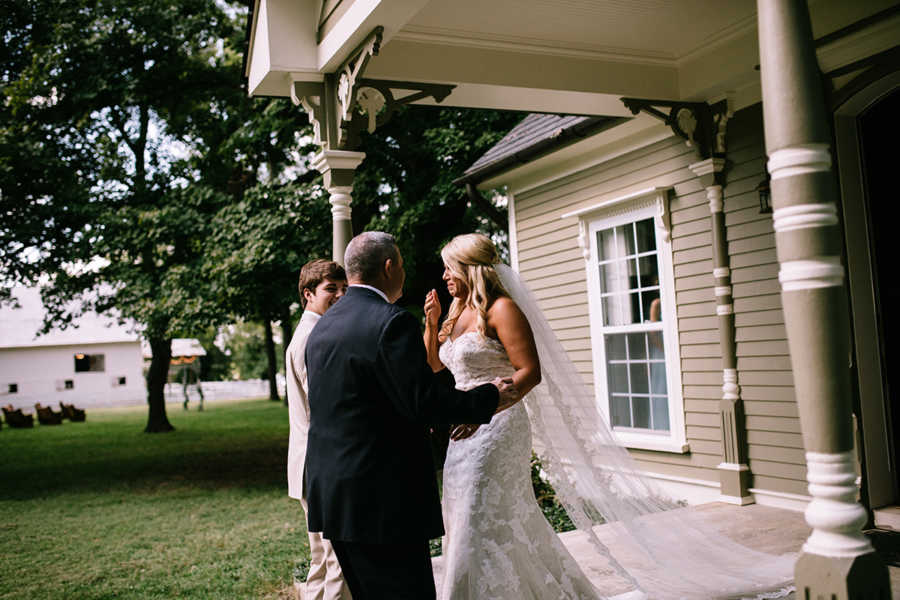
(102, 510)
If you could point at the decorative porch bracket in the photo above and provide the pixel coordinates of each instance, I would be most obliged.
(700, 125)
(340, 107)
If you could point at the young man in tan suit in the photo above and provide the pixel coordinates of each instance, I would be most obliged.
(322, 283)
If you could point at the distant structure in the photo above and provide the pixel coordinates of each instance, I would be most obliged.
(95, 362)
(185, 366)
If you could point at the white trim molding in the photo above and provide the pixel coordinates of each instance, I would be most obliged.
(834, 514)
(513, 231)
(337, 159)
(623, 210)
(804, 216)
(724, 309)
(714, 195)
(731, 391)
(800, 160)
(818, 272)
(719, 272)
(340, 199)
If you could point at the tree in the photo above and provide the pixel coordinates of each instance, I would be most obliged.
(257, 246)
(405, 185)
(100, 90)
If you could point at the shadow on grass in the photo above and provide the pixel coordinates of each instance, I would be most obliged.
(242, 445)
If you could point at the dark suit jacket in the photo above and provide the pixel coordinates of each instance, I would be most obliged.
(369, 469)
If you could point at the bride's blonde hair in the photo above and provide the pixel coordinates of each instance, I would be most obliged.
(471, 258)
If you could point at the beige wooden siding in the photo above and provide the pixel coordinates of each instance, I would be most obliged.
(552, 264)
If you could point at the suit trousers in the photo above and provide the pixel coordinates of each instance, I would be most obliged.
(324, 581)
(387, 571)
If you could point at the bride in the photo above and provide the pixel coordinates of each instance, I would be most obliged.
(498, 544)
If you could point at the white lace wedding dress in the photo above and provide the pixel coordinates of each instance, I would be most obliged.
(498, 544)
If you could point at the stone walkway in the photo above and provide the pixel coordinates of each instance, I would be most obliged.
(762, 528)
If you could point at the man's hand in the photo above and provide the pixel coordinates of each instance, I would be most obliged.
(461, 432)
(509, 395)
(432, 309)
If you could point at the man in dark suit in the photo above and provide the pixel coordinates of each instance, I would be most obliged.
(370, 482)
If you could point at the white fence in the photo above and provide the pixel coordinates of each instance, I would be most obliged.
(174, 393)
(222, 390)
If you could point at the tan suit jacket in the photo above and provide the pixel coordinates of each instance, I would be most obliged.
(298, 405)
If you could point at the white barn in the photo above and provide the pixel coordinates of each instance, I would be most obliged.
(98, 362)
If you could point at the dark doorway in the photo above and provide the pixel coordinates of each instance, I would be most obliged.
(879, 127)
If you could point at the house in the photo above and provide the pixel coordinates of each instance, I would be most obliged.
(94, 362)
(741, 354)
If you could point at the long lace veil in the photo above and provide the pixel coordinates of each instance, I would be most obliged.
(654, 546)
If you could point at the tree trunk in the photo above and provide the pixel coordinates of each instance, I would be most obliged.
(157, 421)
(273, 364)
(287, 333)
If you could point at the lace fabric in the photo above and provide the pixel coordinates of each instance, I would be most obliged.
(653, 548)
(498, 544)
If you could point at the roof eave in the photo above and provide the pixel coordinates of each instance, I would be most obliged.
(565, 137)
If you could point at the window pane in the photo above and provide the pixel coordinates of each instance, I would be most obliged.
(606, 245)
(621, 309)
(639, 380)
(626, 232)
(632, 270)
(658, 378)
(620, 410)
(613, 278)
(637, 346)
(641, 408)
(646, 235)
(649, 271)
(651, 312)
(615, 347)
(660, 413)
(615, 243)
(618, 378)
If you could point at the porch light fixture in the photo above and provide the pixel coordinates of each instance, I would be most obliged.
(764, 194)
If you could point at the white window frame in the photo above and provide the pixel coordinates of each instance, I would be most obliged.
(650, 202)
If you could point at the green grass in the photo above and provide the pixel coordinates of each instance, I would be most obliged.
(102, 510)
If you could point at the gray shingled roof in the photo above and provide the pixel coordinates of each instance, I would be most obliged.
(536, 134)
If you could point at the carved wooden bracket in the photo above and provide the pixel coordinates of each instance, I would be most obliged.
(345, 104)
(331, 103)
(702, 126)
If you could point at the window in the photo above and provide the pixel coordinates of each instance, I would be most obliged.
(13, 388)
(633, 328)
(121, 381)
(89, 362)
(69, 384)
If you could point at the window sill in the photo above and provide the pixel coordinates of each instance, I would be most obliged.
(643, 442)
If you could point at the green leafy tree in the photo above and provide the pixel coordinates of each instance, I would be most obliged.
(405, 185)
(100, 90)
(256, 248)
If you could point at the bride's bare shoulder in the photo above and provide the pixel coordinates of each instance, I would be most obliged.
(504, 311)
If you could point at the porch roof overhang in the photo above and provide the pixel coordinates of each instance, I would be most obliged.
(576, 58)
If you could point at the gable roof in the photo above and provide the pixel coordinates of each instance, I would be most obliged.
(536, 135)
(19, 326)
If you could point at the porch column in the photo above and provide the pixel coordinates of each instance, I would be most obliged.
(734, 474)
(337, 168)
(837, 562)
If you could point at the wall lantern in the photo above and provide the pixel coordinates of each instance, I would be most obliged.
(764, 194)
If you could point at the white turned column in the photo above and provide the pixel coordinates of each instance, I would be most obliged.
(338, 168)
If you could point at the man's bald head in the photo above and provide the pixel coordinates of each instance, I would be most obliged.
(366, 254)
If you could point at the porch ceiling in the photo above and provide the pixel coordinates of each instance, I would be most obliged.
(562, 56)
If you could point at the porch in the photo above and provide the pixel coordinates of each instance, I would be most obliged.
(764, 528)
